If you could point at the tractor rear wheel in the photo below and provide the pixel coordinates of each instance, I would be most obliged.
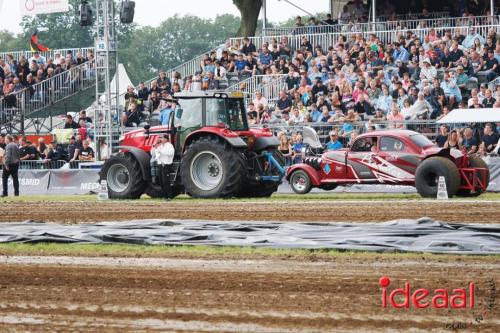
(212, 169)
(428, 173)
(300, 182)
(475, 162)
(122, 173)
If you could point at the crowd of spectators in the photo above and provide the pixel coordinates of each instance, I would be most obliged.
(23, 75)
(79, 146)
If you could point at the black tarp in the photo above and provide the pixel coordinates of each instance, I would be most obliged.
(425, 235)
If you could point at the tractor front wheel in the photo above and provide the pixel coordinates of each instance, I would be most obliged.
(122, 173)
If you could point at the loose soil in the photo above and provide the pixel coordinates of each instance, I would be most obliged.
(175, 295)
(314, 210)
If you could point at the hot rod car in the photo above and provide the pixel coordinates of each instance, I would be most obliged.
(397, 157)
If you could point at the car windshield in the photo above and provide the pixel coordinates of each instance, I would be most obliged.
(421, 140)
(226, 111)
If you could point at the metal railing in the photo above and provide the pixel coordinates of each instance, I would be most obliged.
(385, 25)
(412, 16)
(18, 105)
(268, 85)
(427, 127)
(17, 55)
(326, 40)
(492, 85)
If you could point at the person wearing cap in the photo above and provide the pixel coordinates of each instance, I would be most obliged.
(334, 143)
(462, 77)
(165, 152)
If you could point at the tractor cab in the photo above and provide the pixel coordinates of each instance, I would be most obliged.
(221, 111)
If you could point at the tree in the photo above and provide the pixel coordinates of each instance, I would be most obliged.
(177, 40)
(249, 10)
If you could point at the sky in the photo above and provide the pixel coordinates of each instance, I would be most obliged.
(147, 12)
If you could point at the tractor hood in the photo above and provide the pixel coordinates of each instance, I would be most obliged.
(143, 139)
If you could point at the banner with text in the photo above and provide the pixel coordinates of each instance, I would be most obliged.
(35, 7)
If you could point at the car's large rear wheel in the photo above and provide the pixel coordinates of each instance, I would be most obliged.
(122, 173)
(428, 173)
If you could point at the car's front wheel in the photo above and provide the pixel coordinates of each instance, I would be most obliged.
(300, 182)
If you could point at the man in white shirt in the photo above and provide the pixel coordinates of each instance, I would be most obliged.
(165, 157)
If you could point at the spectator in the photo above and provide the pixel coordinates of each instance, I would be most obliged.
(395, 118)
(469, 142)
(453, 141)
(10, 166)
(26, 151)
(297, 149)
(260, 100)
(489, 139)
(73, 149)
(86, 153)
(284, 105)
(55, 153)
(334, 143)
(42, 149)
(488, 101)
(442, 136)
(70, 123)
(132, 118)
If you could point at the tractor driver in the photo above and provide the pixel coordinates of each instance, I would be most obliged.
(165, 157)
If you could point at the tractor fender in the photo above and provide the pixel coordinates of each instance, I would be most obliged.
(454, 155)
(313, 173)
(232, 138)
(264, 142)
(142, 157)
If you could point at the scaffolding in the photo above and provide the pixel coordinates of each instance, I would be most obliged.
(106, 97)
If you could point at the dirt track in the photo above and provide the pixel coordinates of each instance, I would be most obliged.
(233, 296)
(350, 211)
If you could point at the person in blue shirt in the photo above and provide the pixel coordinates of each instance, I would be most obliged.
(297, 149)
(400, 53)
(165, 114)
(315, 113)
(334, 143)
(240, 63)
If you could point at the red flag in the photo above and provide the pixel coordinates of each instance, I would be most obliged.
(35, 45)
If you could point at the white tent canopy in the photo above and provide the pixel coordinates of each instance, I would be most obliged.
(488, 115)
(123, 82)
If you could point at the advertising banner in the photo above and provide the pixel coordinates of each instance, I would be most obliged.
(31, 182)
(73, 181)
(35, 7)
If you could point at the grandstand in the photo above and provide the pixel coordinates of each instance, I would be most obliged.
(343, 65)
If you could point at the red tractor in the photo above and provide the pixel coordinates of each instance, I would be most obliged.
(396, 157)
(217, 155)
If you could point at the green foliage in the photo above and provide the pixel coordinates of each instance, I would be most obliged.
(175, 41)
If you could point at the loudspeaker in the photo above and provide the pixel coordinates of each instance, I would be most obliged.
(86, 19)
(127, 11)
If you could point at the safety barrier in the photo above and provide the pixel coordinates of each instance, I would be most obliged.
(54, 165)
(17, 55)
(326, 40)
(384, 25)
(15, 107)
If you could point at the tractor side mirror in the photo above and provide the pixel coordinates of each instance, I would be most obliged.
(178, 114)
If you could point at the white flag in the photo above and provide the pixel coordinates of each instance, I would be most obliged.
(34, 7)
